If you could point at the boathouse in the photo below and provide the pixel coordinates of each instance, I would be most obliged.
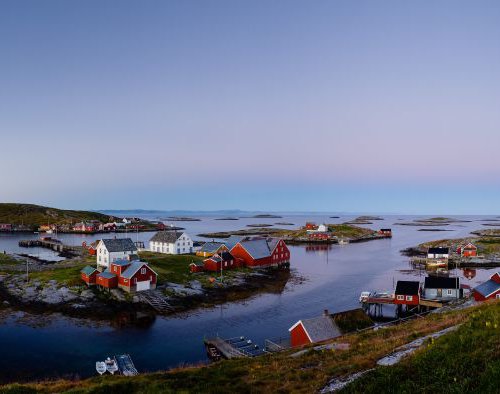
(137, 276)
(469, 250)
(317, 236)
(407, 293)
(261, 252)
(438, 253)
(441, 288)
(89, 275)
(385, 232)
(109, 250)
(316, 329)
(210, 248)
(194, 268)
(107, 280)
(488, 290)
(224, 261)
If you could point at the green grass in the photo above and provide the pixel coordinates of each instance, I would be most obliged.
(467, 360)
(35, 215)
(349, 231)
(6, 259)
(171, 268)
(69, 276)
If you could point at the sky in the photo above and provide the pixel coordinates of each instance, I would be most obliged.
(281, 105)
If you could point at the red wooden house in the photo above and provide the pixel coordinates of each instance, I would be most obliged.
(107, 280)
(407, 293)
(225, 260)
(488, 290)
(469, 250)
(89, 275)
(5, 227)
(319, 236)
(386, 232)
(261, 252)
(311, 226)
(131, 276)
(193, 268)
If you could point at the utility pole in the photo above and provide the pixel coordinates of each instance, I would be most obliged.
(27, 271)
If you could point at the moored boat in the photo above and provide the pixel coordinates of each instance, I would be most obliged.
(111, 366)
(100, 367)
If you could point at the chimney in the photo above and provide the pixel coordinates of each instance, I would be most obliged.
(326, 313)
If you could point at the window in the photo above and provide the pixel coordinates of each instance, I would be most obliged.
(450, 292)
(409, 298)
(400, 297)
(143, 270)
(498, 296)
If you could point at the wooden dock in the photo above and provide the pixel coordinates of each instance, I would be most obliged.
(125, 365)
(239, 347)
(51, 243)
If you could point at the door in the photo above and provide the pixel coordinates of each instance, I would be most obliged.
(144, 285)
(440, 293)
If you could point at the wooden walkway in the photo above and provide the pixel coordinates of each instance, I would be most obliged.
(156, 299)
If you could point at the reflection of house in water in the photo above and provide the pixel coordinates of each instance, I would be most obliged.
(469, 273)
(318, 248)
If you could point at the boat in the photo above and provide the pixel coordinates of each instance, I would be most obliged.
(100, 367)
(436, 264)
(343, 241)
(111, 366)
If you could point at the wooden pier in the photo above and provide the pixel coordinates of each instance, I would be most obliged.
(239, 347)
(125, 365)
(50, 243)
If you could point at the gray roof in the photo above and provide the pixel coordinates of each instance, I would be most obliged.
(121, 262)
(225, 256)
(211, 247)
(106, 274)
(258, 248)
(321, 328)
(88, 270)
(168, 237)
(134, 267)
(232, 240)
(119, 245)
(487, 288)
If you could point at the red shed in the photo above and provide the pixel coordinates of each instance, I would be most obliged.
(488, 290)
(224, 260)
(89, 275)
(193, 268)
(138, 276)
(386, 232)
(319, 236)
(469, 250)
(107, 280)
(317, 329)
(311, 226)
(407, 293)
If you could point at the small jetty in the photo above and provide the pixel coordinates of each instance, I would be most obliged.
(122, 364)
(238, 347)
(49, 243)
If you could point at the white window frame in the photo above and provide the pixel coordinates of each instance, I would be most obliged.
(400, 297)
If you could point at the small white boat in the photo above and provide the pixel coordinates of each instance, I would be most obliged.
(111, 366)
(100, 367)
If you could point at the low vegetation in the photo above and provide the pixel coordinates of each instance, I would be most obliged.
(36, 215)
(463, 360)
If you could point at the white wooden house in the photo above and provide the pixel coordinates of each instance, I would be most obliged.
(171, 242)
(109, 250)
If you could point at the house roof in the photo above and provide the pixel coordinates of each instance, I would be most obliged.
(88, 270)
(121, 262)
(225, 256)
(211, 247)
(134, 267)
(385, 229)
(487, 288)
(257, 248)
(107, 275)
(119, 245)
(439, 282)
(319, 328)
(232, 241)
(407, 287)
(439, 250)
(168, 237)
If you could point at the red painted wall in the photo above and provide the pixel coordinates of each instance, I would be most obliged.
(298, 336)
(414, 301)
(107, 283)
(139, 277)
(90, 279)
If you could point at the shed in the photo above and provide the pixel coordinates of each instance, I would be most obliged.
(107, 280)
(316, 329)
(89, 275)
(489, 289)
(442, 288)
(438, 253)
(407, 293)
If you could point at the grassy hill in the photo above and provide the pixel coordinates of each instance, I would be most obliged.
(463, 360)
(35, 215)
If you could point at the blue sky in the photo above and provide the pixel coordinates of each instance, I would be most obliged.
(384, 106)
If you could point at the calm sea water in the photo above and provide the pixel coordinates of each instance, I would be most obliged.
(55, 346)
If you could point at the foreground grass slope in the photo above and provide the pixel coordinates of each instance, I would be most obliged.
(36, 215)
(310, 372)
(467, 360)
